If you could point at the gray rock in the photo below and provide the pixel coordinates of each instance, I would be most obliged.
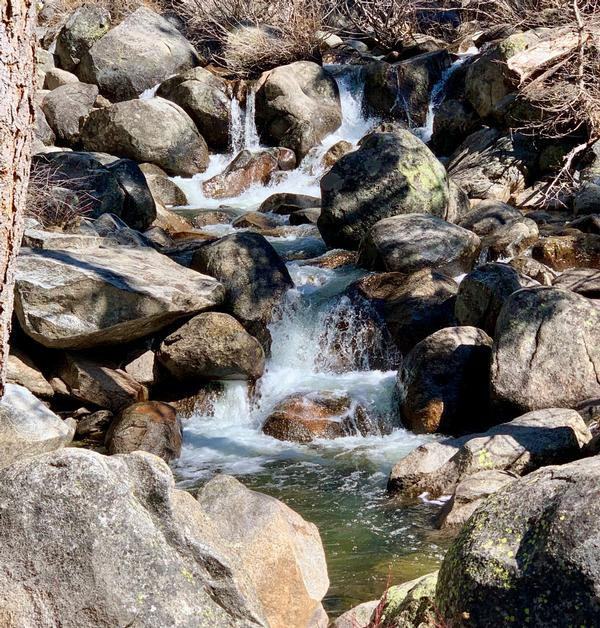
(205, 98)
(66, 107)
(533, 269)
(357, 617)
(288, 202)
(56, 77)
(58, 240)
(454, 121)
(212, 345)
(584, 281)
(94, 426)
(143, 50)
(42, 130)
(150, 426)
(105, 296)
(529, 555)
(534, 366)
(444, 382)
(84, 27)
(390, 174)
(413, 242)
(488, 216)
(166, 562)
(22, 370)
(297, 105)
(282, 554)
(44, 61)
(309, 216)
(155, 130)
(142, 368)
(28, 427)
(510, 240)
(165, 191)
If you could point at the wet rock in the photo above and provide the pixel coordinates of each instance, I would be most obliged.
(488, 216)
(413, 306)
(533, 365)
(584, 281)
(155, 131)
(176, 556)
(93, 427)
(413, 242)
(223, 216)
(336, 152)
(287, 203)
(483, 292)
(57, 295)
(93, 382)
(533, 269)
(489, 165)
(28, 427)
(254, 276)
(150, 426)
(569, 251)
(444, 382)
(56, 77)
(390, 174)
(304, 418)
(22, 370)
(212, 345)
(308, 216)
(66, 107)
(454, 121)
(281, 552)
(82, 29)
(255, 221)
(529, 555)
(204, 97)
(587, 224)
(143, 50)
(536, 439)
(333, 259)
(165, 191)
(297, 105)
(469, 494)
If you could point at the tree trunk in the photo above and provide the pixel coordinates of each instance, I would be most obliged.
(17, 68)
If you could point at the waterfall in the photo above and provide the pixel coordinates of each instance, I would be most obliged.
(242, 126)
(251, 141)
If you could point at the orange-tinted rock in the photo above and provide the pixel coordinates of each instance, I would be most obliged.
(569, 251)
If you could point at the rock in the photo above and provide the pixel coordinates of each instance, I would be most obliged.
(410, 604)
(488, 216)
(154, 130)
(332, 259)
(489, 165)
(454, 121)
(402, 90)
(469, 494)
(142, 368)
(44, 62)
(255, 221)
(587, 224)
(568, 251)
(587, 198)
(246, 170)
(165, 191)
(413, 306)
(92, 382)
(303, 418)
(205, 98)
(533, 367)
(444, 382)
(297, 106)
(336, 152)
(584, 281)
(66, 107)
(21, 370)
(412, 242)
(28, 427)
(533, 269)
(510, 240)
(390, 174)
(94, 426)
(84, 26)
(143, 50)
(105, 296)
(281, 552)
(56, 77)
(309, 216)
(212, 346)
(357, 617)
(116, 233)
(528, 556)
(139, 207)
(483, 292)
(176, 557)
(287, 203)
(150, 426)
(536, 439)
(42, 130)
(203, 217)
(254, 276)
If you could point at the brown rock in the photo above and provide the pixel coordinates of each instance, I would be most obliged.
(333, 259)
(255, 221)
(335, 152)
(570, 251)
(288, 202)
(22, 371)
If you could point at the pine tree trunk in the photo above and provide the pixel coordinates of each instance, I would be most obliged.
(17, 68)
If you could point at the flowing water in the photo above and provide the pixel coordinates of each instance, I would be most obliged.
(319, 340)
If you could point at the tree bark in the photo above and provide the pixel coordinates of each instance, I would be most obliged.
(17, 68)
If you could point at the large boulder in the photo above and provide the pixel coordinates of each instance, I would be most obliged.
(149, 426)
(413, 242)
(28, 427)
(529, 555)
(205, 98)
(281, 552)
(254, 276)
(584, 281)
(212, 345)
(444, 382)
(57, 78)
(105, 295)
(83, 27)
(154, 130)
(143, 50)
(297, 105)
(536, 439)
(390, 174)
(546, 351)
(413, 306)
(165, 567)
